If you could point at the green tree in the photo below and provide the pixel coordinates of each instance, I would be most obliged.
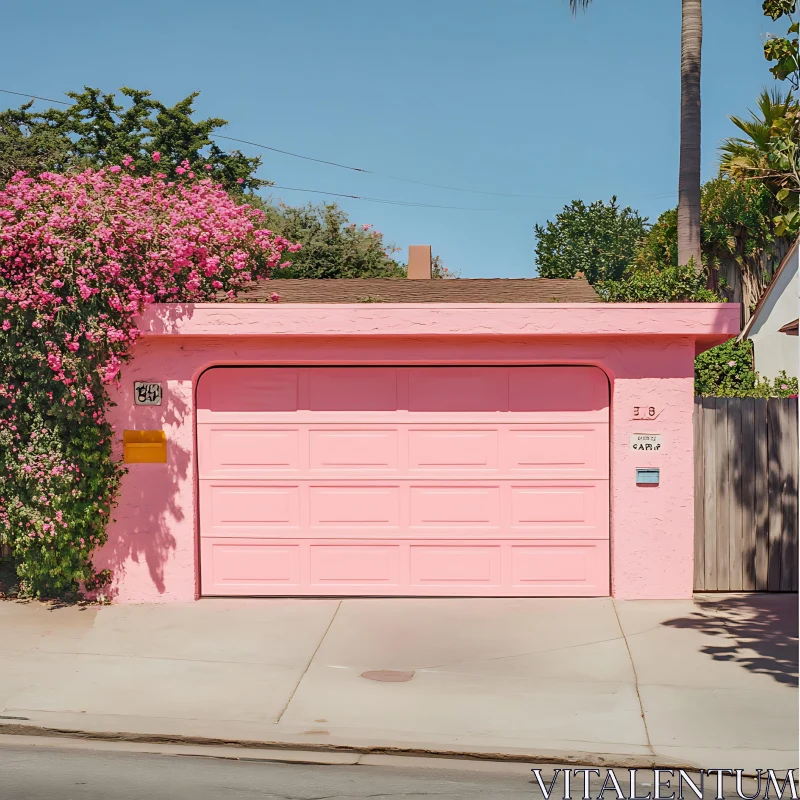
(783, 160)
(740, 246)
(29, 146)
(689, 168)
(333, 247)
(96, 130)
(671, 284)
(599, 240)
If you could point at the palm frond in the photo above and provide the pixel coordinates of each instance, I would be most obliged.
(741, 155)
(576, 5)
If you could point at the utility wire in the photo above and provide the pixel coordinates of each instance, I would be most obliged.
(659, 195)
(292, 188)
(383, 174)
(378, 200)
(36, 97)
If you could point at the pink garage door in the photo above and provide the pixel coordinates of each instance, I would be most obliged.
(403, 481)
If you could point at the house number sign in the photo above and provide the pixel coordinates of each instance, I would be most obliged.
(646, 412)
(146, 393)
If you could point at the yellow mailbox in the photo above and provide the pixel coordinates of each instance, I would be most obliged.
(144, 447)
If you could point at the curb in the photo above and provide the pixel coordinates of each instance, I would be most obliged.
(577, 759)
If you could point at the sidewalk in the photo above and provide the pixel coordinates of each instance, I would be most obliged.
(708, 683)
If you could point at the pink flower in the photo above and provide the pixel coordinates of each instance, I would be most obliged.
(366, 227)
(115, 169)
(731, 363)
(240, 180)
(127, 161)
(156, 156)
(784, 387)
(274, 297)
(180, 170)
(6, 324)
(208, 166)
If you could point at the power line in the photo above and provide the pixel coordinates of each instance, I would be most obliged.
(335, 164)
(292, 188)
(658, 195)
(383, 174)
(36, 97)
(378, 200)
(287, 153)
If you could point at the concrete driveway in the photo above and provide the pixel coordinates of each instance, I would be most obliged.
(704, 683)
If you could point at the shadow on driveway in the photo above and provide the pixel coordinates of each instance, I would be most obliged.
(758, 631)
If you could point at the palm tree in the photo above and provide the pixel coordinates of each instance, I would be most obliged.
(689, 169)
(748, 157)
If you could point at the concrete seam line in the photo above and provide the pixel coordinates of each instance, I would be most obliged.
(635, 676)
(310, 662)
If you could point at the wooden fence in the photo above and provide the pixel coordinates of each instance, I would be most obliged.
(746, 468)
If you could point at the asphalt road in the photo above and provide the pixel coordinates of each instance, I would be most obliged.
(82, 773)
(40, 774)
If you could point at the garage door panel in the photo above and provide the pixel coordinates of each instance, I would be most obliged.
(247, 450)
(533, 509)
(548, 449)
(454, 506)
(444, 564)
(554, 506)
(457, 389)
(354, 564)
(442, 448)
(404, 480)
(231, 566)
(537, 389)
(238, 506)
(352, 389)
(338, 506)
(486, 568)
(347, 449)
(545, 564)
(243, 390)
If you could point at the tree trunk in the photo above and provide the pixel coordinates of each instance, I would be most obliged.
(689, 171)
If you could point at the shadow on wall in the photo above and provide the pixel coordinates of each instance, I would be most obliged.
(757, 632)
(149, 507)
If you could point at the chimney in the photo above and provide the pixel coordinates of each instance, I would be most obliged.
(419, 262)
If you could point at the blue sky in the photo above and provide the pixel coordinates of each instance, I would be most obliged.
(509, 96)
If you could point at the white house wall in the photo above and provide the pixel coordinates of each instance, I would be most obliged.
(775, 351)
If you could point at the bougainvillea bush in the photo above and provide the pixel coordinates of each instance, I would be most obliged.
(81, 255)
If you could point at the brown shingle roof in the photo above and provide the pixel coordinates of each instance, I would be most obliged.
(400, 290)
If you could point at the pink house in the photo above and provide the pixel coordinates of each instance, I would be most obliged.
(389, 437)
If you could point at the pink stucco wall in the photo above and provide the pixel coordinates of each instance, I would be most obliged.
(647, 352)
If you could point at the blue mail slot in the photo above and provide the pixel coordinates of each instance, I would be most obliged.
(647, 476)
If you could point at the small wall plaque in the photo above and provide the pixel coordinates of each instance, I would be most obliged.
(146, 393)
(645, 412)
(646, 441)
